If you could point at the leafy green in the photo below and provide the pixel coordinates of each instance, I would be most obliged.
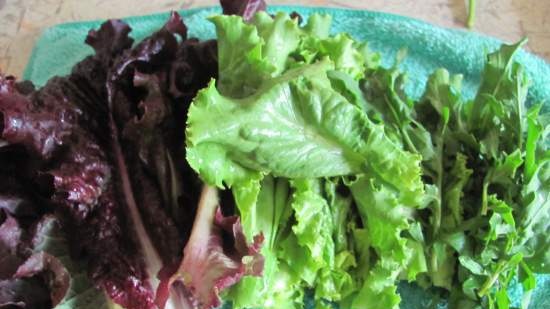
(294, 126)
(501, 96)
(357, 186)
(240, 54)
(263, 208)
(385, 220)
(313, 222)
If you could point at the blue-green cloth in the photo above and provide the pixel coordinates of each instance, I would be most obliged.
(429, 47)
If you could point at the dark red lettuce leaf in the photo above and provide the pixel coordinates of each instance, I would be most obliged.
(74, 159)
(216, 256)
(41, 128)
(144, 124)
(111, 39)
(51, 270)
(16, 292)
(107, 150)
(244, 8)
(47, 237)
(28, 280)
(13, 203)
(10, 237)
(24, 293)
(80, 173)
(7, 84)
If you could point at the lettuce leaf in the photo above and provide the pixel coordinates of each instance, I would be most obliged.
(244, 8)
(303, 132)
(385, 220)
(44, 261)
(263, 207)
(209, 265)
(81, 293)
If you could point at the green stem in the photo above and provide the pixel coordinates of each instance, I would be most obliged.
(396, 119)
(533, 135)
(471, 14)
(484, 205)
(438, 210)
(520, 128)
(491, 280)
(408, 141)
(433, 262)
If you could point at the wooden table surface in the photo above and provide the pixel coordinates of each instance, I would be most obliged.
(21, 21)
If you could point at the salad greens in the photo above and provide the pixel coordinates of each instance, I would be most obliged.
(356, 186)
(301, 172)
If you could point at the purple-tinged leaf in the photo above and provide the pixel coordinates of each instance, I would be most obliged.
(244, 8)
(216, 256)
(52, 272)
(10, 236)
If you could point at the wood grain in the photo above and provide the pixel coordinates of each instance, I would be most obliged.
(21, 21)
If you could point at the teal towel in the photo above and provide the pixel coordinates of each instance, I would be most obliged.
(429, 48)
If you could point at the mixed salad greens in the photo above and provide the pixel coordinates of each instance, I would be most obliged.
(274, 164)
(357, 186)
